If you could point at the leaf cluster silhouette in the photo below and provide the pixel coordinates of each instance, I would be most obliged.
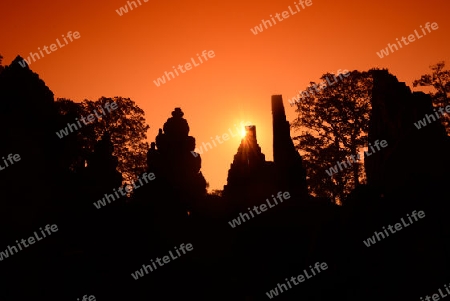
(439, 79)
(334, 122)
(125, 125)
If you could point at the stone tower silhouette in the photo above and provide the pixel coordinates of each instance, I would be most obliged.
(291, 175)
(250, 175)
(173, 163)
(395, 109)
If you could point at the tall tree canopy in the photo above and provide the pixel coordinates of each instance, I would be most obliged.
(333, 118)
(125, 125)
(439, 79)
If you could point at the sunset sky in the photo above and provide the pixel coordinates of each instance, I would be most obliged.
(122, 55)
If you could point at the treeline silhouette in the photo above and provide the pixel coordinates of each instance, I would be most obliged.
(95, 251)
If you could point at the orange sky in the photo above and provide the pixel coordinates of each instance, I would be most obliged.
(122, 55)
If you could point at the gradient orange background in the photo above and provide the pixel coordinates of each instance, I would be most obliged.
(122, 55)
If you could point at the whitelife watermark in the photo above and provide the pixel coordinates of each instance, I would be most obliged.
(334, 169)
(165, 259)
(31, 240)
(109, 197)
(437, 297)
(309, 92)
(188, 66)
(411, 38)
(423, 122)
(236, 222)
(91, 118)
(124, 9)
(75, 35)
(224, 136)
(284, 15)
(85, 298)
(16, 158)
(371, 240)
(273, 293)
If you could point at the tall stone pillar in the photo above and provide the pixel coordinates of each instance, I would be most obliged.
(290, 171)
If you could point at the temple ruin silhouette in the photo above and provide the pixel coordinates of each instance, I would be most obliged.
(97, 249)
(394, 110)
(250, 175)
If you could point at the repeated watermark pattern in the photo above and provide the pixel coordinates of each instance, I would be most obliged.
(334, 169)
(10, 158)
(85, 298)
(53, 47)
(224, 136)
(310, 92)
(371, 240)
(162, 80)
(284, 15)
(91, 118)
(411, 38)
(237, 221)
(423, 122)
(437, 297)
(166, 259)
(31, 240)
(124, 9)
(124, 191)
(128, 188)
(273, 293)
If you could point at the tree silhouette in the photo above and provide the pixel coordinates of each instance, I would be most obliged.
(128, 131)
(439, 79)
(125, 125)
(101, 167)
(77, 146)
(333, 120)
